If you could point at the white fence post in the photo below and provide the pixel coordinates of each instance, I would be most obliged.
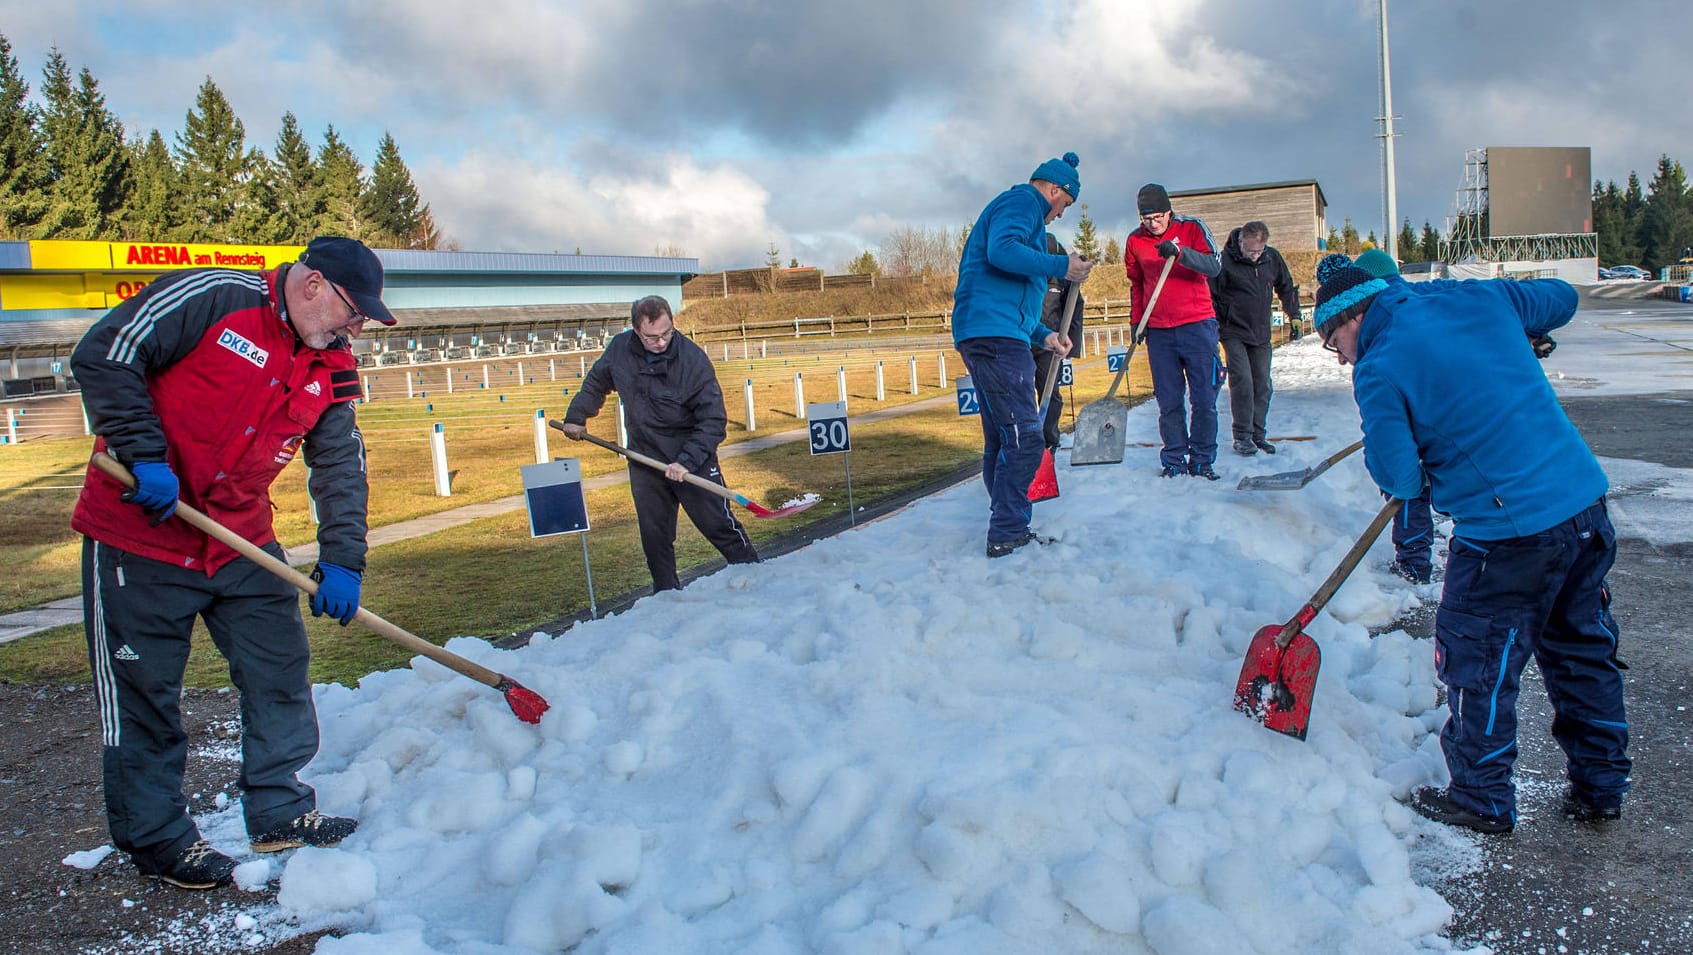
(11, 426)
(520, 381)
(799, 397)
(582, 367)
(552, 368)
(541, 456)
(840, 384)
(449, 379)
(941, 360)
(367, 389)
(484, 376)
(881, 393)
(913, 374)
(752, 424)
(438, 456)
(408, 385)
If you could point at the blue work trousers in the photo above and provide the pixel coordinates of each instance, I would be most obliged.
(1543, 596)
(1413, 533)
(1003, 371)
(1184, 358)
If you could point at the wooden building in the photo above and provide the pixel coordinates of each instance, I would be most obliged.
(1295, 211)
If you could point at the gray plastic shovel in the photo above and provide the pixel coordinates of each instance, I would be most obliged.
(1294, 480)
(1099, 425)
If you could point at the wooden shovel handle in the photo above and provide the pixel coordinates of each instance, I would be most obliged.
(246, 548)
(1045, 394)
(1140, 327)
(1342, 571)
(656, 465)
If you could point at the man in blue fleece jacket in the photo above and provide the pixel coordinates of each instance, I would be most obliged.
(996, 315)
(1450, 393)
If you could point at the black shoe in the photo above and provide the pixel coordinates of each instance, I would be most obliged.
(1245, 448)
(312, 829)
(1264, 446)
(1170, 470)
(1583, 808)
(1437, 804)
(1001, 548)
(1416, 575)
(1205, 471)
(197, 867)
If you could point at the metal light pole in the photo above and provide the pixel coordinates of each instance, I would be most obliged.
(1389, 207)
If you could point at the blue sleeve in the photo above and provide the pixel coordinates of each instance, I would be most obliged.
(1014, 232)
(1541, 304)
(1390, 452)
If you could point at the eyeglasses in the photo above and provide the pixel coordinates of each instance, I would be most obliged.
(663, 338)
(1150, 216)
(1330, 346)
(353, 314)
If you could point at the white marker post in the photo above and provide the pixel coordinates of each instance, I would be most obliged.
(438, 457)
(485, 376)
(799, 395)
(827, 424)
(552, 492)
(840, 384)
(941, 361)
(622, 425)
(541, 455)
(449, 379)
(408, 385)
(913, 374)
(752, 424)
(881, 390)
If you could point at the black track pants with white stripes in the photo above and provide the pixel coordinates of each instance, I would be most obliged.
(139, 615)
(656, 498)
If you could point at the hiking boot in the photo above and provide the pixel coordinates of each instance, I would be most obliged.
(1205, 471)
(1170, 470)
(1584, 808)
(1001, 548)
(197, 867)
(1245, 448)
(1264, 446)
(1413, 573)
(1437, 804)
(312, 829)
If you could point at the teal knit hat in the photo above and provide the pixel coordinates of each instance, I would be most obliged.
(1377, 263)
(1345, 288)
(1061, 173)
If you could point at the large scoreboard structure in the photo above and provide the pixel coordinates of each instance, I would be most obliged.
(1526, 209)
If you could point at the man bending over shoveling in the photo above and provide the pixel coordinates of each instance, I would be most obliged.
(673, 408)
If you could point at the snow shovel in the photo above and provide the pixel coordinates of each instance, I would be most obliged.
(1280, 671)
(1294, 480)
(757, 510)
(1045, 485)
(525, 703)
(1099, 425)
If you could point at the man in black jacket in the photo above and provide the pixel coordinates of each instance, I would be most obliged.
(674, 411)
(1241, 295)
(1057, 289)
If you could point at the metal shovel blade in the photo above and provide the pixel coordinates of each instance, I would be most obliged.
(1098, 435)
(1276, 684)
(1285, 481)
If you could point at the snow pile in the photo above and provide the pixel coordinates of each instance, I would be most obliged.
(888, 742)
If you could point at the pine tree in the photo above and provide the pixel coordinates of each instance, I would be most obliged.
(773, 257)
(1113, 251)
(298, 202)
(340, 183)
(86, 158)
(1086, 243)
(23, 166)
(212, 153)
(1666, 223)
(1610, 223)
(1431, 243)
(154, 211)
(865, 264)
(1349, 243)
(1407, 241)
(1332, 243)
(393, 211)
(260, 217)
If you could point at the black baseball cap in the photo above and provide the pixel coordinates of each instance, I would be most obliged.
(350, 264)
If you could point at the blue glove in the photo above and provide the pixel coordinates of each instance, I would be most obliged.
(155, 491)
(337, 592)
(1169, 249)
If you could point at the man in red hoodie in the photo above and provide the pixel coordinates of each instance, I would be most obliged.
(1181, 335)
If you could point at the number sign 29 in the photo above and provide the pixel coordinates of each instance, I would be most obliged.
(968, 404)
(827, 423)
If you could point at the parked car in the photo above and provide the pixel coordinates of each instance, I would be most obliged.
(1625, 272)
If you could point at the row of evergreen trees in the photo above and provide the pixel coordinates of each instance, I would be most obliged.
(1650, 227)
(67, 171)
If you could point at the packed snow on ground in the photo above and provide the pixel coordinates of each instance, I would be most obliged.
(886, 742)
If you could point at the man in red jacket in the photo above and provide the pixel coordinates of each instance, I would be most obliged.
(1181, 335)
(205, 385)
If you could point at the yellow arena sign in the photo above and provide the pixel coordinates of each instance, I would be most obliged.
(56, 256)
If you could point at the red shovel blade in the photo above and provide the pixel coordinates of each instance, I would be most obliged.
(1276, 684)
(1045, 485)
(524, 702)
(759, 510)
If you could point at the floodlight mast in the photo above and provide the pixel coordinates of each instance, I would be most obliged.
(1389, 207)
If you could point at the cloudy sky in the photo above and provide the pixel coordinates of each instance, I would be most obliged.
(720, 127)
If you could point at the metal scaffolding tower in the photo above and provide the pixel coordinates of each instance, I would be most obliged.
(1468, 236)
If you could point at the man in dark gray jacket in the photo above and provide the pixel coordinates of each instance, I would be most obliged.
(673, 408)
(1241, 295)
